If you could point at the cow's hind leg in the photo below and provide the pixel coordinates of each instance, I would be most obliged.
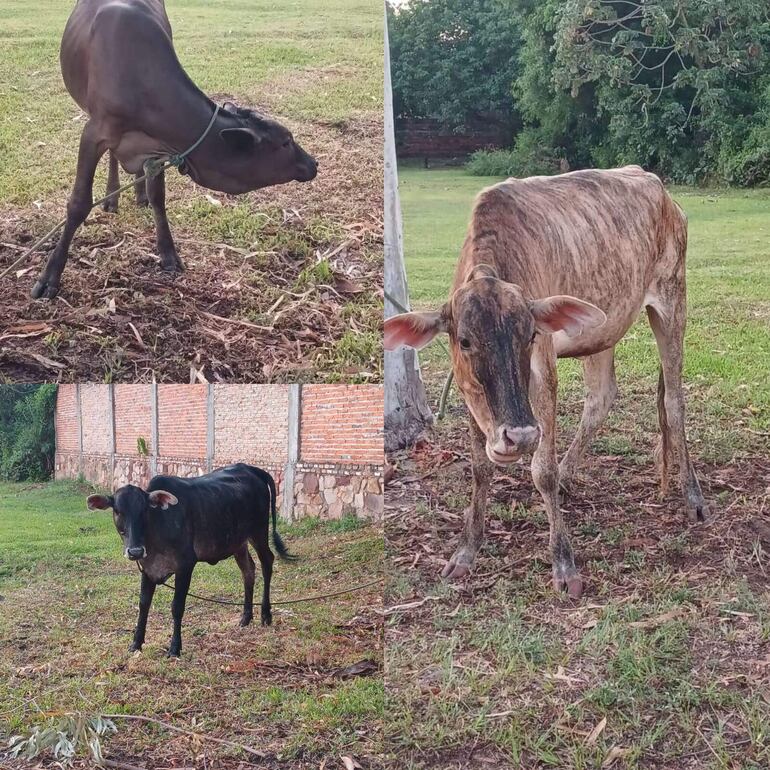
(78, 208)
(472, 538)
(113, 184)
(146, 592)
(601, 389)
(246, 564)
(156, 193)
(265, 556)
(668, 326)
(545, 469)
(140, 191)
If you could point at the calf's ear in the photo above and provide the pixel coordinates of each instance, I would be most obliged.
(162, 499)
(99, 502)
(567, 314)
(240, 139)
(415, 330)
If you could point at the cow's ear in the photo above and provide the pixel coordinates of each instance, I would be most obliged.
(99, 502)
(162, 499)
(240, 139)
(567, 314)
(415, 330)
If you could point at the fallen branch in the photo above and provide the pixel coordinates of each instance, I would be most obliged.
(185, 731)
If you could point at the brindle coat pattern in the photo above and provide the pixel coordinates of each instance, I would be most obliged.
(118, 63)
(613, 238)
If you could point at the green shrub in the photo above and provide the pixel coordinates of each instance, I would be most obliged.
(27, 435)
(529, 157)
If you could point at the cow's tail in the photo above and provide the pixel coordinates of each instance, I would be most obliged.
(280, 547)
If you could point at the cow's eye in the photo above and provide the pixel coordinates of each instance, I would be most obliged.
(465, 343)
(534, 334)
(287, 143)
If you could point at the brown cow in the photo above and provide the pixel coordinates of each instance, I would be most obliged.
(616, 240)
(118, 63)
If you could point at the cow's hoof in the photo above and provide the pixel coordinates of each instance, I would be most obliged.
(44, 290)
(570, 584)
(110, 206)
(460, 565)
(135, 648)
(245, 620)
(267, 619)
(142, 203)
(697, 514)
(170, 263)
(173, 653)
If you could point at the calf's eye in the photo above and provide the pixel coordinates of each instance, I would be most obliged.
(465, 343)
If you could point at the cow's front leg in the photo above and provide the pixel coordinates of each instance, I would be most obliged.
(140, 191)
(482, 468)
(146, 592)
(545, 468)
(113, 185)
(156, 194)
(246, 565)
(181, 587)
(78, 208)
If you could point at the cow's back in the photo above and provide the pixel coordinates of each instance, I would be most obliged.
(598, 235)
(102, 38)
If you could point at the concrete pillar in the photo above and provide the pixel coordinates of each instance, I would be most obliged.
(155, 432)
(294, 417)
(210, 439)
(79, 415)
(111, 428)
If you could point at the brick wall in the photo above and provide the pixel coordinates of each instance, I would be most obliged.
(339, 432)
(67, 431)
(182, 420)
(96, 419)
(133, 418)
(251, 421)
(342, 423)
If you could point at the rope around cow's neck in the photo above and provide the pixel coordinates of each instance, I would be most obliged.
(317, 597)
(152, 167)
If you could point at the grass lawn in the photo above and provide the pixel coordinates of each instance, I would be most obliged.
(68, 607)
(301, 260)
(670, 642)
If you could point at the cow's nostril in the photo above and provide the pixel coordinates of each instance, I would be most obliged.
(521, 437)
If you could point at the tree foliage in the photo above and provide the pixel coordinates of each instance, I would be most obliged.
(453, 59)
(27, 435)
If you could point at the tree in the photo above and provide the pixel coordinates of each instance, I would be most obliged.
(27, 434)
(406, 406)
(454, 59)
(678, 86)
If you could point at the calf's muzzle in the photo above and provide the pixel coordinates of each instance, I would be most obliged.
(510, 442)
(136, 553)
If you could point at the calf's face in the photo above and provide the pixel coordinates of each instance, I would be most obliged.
(259, 152)
(131, 511)
(492, 330)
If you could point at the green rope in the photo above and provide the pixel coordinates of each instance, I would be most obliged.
(152, 167)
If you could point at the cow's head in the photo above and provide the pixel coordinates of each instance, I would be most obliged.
(131, 508)
(492, 327)
(256, 151)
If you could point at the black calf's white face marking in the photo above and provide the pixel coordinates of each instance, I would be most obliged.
(131, 507)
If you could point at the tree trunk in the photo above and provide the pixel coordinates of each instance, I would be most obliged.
(406, 405)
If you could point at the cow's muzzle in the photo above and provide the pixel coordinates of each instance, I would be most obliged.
(510, 442)
(134, 554)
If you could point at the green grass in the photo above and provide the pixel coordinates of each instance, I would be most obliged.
(307, 59)
(68, 608)
(727, 345)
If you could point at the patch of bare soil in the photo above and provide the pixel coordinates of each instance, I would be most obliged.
(274, 309)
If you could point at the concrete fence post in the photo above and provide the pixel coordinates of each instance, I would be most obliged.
(79, 416)
(111, 400)
(292, 454)
(155, 432)
(210, 433)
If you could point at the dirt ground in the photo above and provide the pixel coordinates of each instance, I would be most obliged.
(662, 664)
(284, 284)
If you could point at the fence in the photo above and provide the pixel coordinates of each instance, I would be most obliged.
(324, 443)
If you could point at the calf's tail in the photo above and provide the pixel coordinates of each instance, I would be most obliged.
(280, 547)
